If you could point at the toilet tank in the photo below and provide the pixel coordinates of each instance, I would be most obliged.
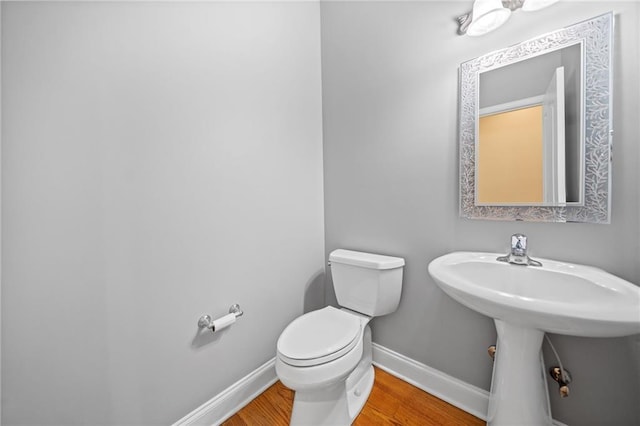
(367, 283)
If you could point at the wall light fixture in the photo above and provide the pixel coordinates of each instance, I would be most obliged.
(487, 15)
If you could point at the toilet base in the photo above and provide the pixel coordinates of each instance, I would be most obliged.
(358, 394)
(338, 404)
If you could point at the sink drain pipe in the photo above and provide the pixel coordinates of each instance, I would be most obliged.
(559, 374)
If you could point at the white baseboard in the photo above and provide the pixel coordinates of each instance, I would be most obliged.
(231, 400)
(460, 394)
(463, 395)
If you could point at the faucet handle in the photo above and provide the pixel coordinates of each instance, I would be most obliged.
(519, 244)
(518, 255)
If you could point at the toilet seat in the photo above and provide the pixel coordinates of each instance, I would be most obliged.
(319, 337)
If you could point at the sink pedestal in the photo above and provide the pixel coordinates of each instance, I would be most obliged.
(519, 393)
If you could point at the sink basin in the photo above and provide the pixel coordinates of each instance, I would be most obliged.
(525, 302)
(558, 297)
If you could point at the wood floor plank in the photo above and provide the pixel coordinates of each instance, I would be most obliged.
(392, 402)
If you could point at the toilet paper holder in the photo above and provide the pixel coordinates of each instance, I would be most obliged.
(225, 321)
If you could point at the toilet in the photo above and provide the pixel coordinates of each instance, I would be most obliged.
(325, 356)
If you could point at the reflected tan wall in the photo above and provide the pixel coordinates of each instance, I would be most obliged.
(510, 157)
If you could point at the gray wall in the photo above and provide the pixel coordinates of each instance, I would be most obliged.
(521, 80)
(390, 86)
(163, 160)
(159, 161)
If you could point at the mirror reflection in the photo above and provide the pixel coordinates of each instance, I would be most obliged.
(529, 140)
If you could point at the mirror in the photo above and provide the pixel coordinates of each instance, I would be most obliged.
(535, 128)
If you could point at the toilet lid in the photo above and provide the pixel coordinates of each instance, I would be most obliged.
(318, 337)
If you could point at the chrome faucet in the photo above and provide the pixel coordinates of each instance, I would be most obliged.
(518, 254)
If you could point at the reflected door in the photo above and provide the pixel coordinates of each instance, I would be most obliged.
(553, 148)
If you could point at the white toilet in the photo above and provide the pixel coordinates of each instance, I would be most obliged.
(325, 355)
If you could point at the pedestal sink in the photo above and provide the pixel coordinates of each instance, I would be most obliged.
(525, 302)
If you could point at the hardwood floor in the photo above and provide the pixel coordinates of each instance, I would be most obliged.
(392, 402)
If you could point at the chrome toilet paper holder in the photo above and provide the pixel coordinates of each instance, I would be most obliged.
(205, 321)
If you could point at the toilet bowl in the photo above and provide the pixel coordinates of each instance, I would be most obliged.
(317, 367)
(325, 356)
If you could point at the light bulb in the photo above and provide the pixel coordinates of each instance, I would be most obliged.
(487, 15)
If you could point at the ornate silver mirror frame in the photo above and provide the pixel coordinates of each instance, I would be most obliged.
(596, 36)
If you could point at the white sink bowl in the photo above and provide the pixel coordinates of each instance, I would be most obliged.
(558, 297)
